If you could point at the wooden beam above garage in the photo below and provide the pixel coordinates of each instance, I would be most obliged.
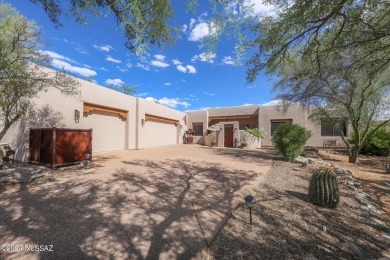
(88, 107)
(149, 117)
(255, 116)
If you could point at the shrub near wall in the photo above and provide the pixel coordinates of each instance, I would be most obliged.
(378, 144)
(290, 139)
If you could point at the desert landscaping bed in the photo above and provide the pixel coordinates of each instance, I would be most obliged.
(287, 226)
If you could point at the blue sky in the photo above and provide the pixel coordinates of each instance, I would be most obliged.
(180, 76)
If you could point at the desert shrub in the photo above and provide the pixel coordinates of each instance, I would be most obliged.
(378, 144)
(290, 139)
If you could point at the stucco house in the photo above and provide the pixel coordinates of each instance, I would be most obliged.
(118, 121)
(122, 122)
(229, 123)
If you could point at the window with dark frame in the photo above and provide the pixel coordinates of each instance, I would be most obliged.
(330, 129)
(276, 123)
(198, 129)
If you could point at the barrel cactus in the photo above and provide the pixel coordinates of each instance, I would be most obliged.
(324, 188)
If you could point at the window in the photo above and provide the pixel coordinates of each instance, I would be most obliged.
(198, 129)
(278, 122)
(329, 129)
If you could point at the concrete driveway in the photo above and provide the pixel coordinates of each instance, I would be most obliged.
(166, 203)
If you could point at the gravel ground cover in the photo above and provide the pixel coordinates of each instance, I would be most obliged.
(287, 226)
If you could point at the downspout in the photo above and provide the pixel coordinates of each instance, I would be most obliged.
(137, 122)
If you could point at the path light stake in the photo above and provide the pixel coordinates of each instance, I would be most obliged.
(250, 203)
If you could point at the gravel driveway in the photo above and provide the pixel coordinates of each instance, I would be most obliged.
(167, 202)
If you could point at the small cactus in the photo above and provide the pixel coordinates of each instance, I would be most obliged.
(324, 188)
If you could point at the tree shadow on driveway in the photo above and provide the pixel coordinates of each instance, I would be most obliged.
(171, 209)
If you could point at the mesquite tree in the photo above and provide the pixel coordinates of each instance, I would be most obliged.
(338, 95)
(22, 75)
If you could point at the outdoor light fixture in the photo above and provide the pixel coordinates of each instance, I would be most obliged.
(250, 203)
(76, 116)
(142, 121)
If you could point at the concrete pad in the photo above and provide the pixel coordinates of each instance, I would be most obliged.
(155, 203)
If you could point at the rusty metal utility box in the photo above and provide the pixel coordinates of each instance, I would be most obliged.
(59, 146)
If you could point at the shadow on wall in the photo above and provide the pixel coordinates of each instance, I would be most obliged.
(43, 117)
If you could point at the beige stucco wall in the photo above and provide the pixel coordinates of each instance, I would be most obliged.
(230, 111)
(147, 107)
(54, 109)
(200, 116)
(252, 142)
(316, 138)
(297, 113)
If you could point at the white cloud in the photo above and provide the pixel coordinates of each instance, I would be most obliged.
(103, 68)
(188, 68)
(105, 48)
(141, 94)
(143, 66)
(208, 94)
(228, 60)
(81, 50)
(87, 66)
(115, 82)
(167, 84)
(176, 62)
(201, 30)
(253, 8)
(111, 59)
(169, 102)
(55, 55)
(273, 102)
(205, 57)
(258, 8)
(129, 65)
(192, 22)
(159, 57)
(184, 28)
(191, 69)
(158, 63)
(181, 68)
(73, 69)
(121, 69)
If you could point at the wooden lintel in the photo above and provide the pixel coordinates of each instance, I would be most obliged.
(88, 107)
(232, 117)
(289, 120)
(149, 117)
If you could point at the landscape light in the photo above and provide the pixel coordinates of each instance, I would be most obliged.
(250, 203)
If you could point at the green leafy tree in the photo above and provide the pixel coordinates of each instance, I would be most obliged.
(123, 88)
(317, 28)
(255, 133)
(143, 22)
(337, 95)
(290, 139)
(378, 143)
(22, 75)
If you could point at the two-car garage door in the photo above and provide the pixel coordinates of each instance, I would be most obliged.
(157, 133)
(109, 131)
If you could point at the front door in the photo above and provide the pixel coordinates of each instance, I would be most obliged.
(228, 140)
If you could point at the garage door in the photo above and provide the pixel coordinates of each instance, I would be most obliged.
(159, 134)
(108, 131)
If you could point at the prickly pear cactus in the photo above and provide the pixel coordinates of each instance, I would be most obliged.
(324, 188)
